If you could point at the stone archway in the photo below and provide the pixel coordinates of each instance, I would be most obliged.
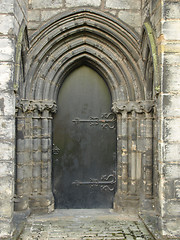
(112, 49)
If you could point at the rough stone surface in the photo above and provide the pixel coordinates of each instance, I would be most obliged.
(143, 137)
(124, 4)
(74, 3)
(45, 4)
(85, 224)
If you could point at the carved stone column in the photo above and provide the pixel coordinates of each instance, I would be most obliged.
(134, 151)
(36, 150)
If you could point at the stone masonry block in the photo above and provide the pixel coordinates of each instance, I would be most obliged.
(34, 15)
(47, 14)
(169, 30)
(172, 208)
(169, 190)
(172, 130)
(46, 4)
(6, 208)
(123, 4)
(171, 78)
(156, 17)
(171, 227)
(6, 168)
(7, 6)
(172, 47)
(132, 18)
(18, 12)
(6, 49)
(7, 24)
(75, 3)
(7, 126)
(171, 171)
(7, 152)
(171, 105)
(7, 104)
(5, 229)
(154, 4)
(6, 76)
(171, 58)
(33, 25)
(177, 188)
(171, 10)
(171, 152)
(23, 5)
(6, 187)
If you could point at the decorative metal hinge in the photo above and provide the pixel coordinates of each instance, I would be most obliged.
(107, 182)
(107, 120)
(55, 149)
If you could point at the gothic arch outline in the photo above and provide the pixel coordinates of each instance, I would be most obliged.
(94, 34)
(113, 50)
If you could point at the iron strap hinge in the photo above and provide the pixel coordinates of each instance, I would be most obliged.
(107, 120)
(106, 183)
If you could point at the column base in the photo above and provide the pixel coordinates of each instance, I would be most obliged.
(43, 203)
(126, 204)
(6, 230)
(21, 204)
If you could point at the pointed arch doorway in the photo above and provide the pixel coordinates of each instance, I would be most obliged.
(84, 151)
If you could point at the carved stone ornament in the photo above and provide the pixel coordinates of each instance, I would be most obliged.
(32, 105)
(139, 107)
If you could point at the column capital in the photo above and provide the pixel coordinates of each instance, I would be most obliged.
(145, 106)
(31, 105)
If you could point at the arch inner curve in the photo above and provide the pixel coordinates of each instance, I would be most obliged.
(102, 42)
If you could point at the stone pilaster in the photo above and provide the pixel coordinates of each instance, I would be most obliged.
(134, 148)
(37, 119)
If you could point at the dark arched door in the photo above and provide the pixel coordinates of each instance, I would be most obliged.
(84, 150)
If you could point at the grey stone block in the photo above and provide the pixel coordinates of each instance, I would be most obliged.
(47, 14)
(18, 12)
(171, 78)
(7, 104)
(46, 4)
(171, 152)
(7, 209)
(172, 171)
(7, 24)
(6, 49)
(6, 169)
(6, 73)
(34, 15)
(7, 6)
(171, 10)
(171, 227)
(171, 105)
(123, 4)
(177, 188)
(132, 18)
(75, 3)
(169, 29)
(7, 187)
(7, 152)
(7, 126)
(6, 229)
(172, 130)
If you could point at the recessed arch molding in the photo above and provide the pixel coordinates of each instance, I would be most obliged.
(89, 37)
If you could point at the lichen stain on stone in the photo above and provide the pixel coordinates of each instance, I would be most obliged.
(124, 152)
(3, 125)
(2, 105)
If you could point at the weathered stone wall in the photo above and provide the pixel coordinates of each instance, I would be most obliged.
(170, 118)
(12, 14)
(128, 11)
(165, 19)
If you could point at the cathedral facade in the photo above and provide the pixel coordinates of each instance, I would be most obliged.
(90, 99)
